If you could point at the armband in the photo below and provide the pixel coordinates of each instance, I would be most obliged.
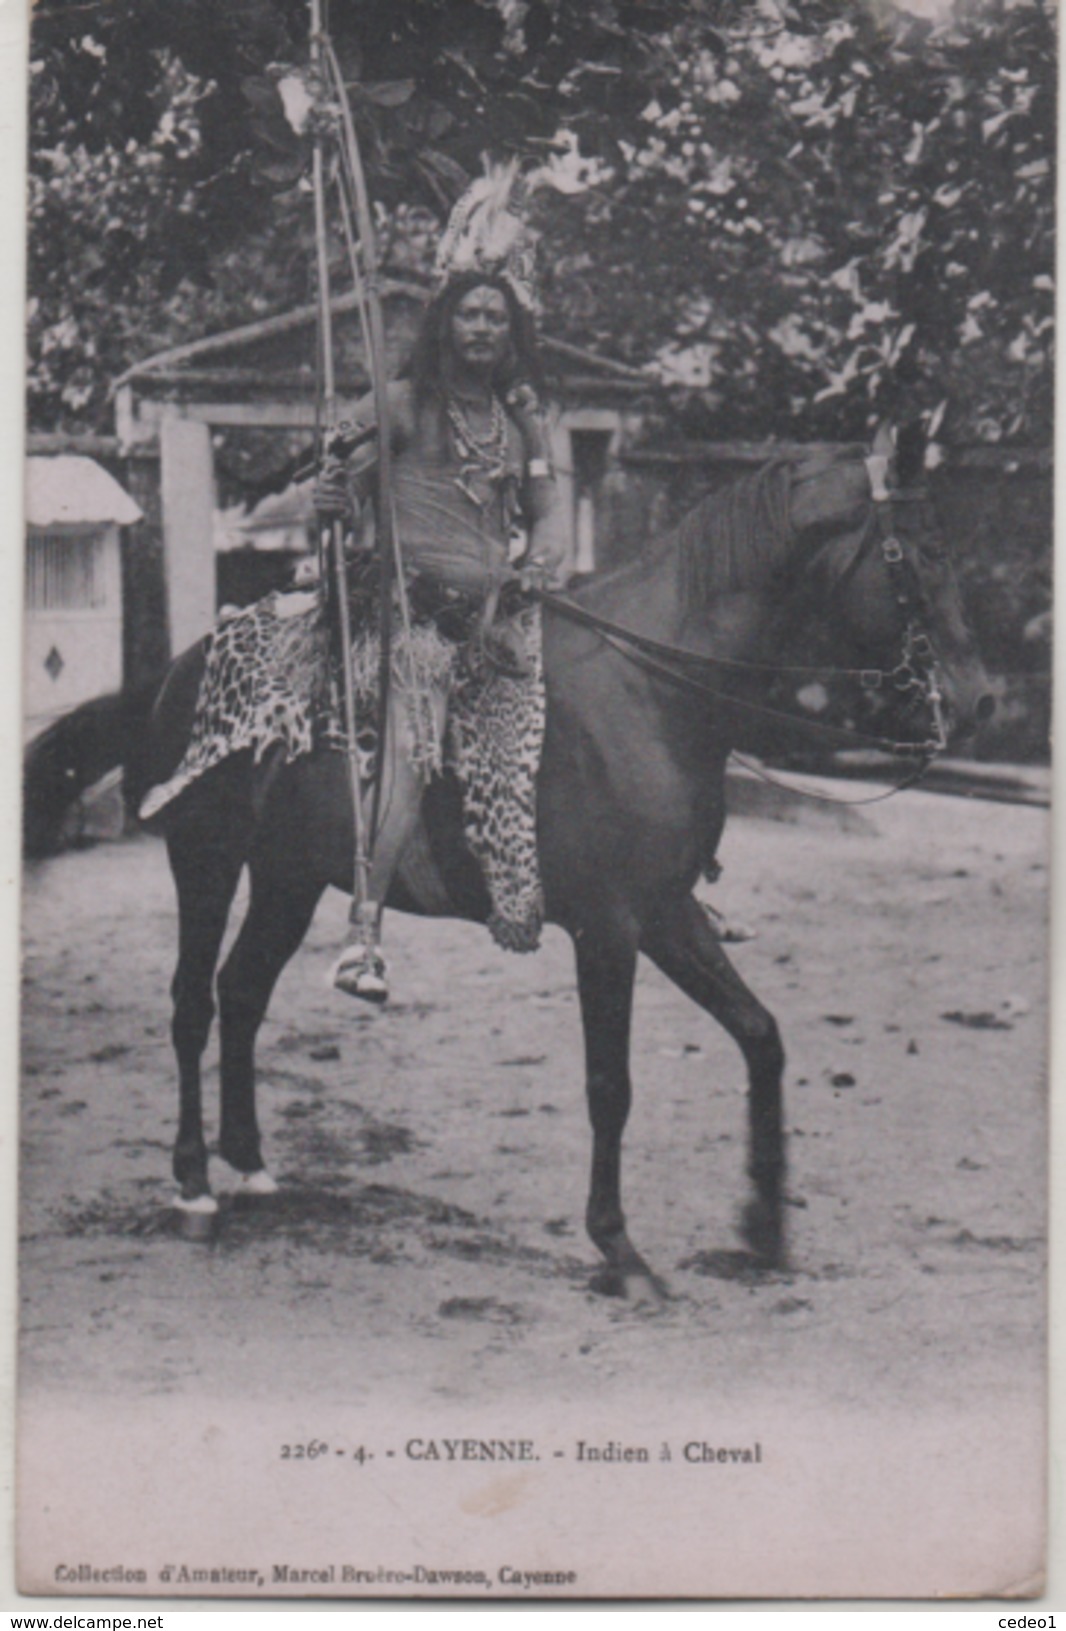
(539, 467)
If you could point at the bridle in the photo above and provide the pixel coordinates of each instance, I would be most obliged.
(916, 672)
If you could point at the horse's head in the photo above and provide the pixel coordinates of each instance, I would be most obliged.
(883, 573)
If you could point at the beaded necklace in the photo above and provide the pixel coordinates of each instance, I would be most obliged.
(484, 456)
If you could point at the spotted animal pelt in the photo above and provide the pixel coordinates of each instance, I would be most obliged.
(266, 681)
(268, 684)
(495, 735)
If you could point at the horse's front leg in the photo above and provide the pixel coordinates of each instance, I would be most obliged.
(279, 915)
(606, 967)
(686, 948)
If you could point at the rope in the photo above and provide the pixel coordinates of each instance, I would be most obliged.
(871, 678)
(654, 656)
(842, 733)
(756, 769)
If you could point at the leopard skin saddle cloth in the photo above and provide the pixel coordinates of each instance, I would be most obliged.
(268, 683)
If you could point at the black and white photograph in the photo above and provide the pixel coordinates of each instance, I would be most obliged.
(535, 747)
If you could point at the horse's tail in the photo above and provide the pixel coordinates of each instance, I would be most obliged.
(142, 730)
(73, 753)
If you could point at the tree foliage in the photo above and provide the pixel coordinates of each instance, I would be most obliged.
(852, 211)
(806, 215)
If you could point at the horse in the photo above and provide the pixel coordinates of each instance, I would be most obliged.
(655, 672)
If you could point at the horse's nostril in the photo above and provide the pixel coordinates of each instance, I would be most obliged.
(986, 707)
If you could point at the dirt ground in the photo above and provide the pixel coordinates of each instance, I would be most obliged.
(433, 1157)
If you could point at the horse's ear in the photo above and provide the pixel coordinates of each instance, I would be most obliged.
(884, 442)
(881, 461)
(910, 452)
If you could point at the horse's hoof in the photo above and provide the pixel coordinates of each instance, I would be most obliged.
(231, 1181)
(197, 1217)
(608, 1281)
(640, 1288)
(646, 1293)
(762, 1231)
(257, 1183)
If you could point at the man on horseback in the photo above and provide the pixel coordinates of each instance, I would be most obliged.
(473, 518)
(474, 507)
(472, 457)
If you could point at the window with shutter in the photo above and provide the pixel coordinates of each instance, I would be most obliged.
(64, 572)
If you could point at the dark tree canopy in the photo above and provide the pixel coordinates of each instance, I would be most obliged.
(806, 214)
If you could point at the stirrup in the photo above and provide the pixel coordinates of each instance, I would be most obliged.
(360, 971)
(729, 934)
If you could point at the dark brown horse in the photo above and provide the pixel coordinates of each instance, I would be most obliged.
(631, 798)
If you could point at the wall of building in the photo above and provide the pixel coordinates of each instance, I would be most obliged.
(72, 645)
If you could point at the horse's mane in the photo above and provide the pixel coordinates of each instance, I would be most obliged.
(741, 536)
(737, 538)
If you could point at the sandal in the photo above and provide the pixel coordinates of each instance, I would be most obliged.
(361, 971)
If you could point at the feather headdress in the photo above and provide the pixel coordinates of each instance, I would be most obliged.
(488, 231)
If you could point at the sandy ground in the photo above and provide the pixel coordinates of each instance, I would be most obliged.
(433, 1157)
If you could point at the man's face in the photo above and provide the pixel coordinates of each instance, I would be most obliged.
(481, 329)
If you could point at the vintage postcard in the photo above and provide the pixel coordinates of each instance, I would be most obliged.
(474, 450)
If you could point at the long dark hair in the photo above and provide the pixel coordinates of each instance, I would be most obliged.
(429, 364)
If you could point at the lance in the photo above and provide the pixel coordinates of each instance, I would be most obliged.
(369, 291)
(367, 278)
(331, 548)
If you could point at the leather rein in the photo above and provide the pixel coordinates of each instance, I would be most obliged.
(916, 671)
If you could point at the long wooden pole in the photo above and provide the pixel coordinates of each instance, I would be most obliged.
(332, 547)
(388, 563)
(375, 317)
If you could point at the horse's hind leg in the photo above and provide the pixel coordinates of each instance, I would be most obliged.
(279, 916)
(685, 947)
(206, 856)
(606, 965)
